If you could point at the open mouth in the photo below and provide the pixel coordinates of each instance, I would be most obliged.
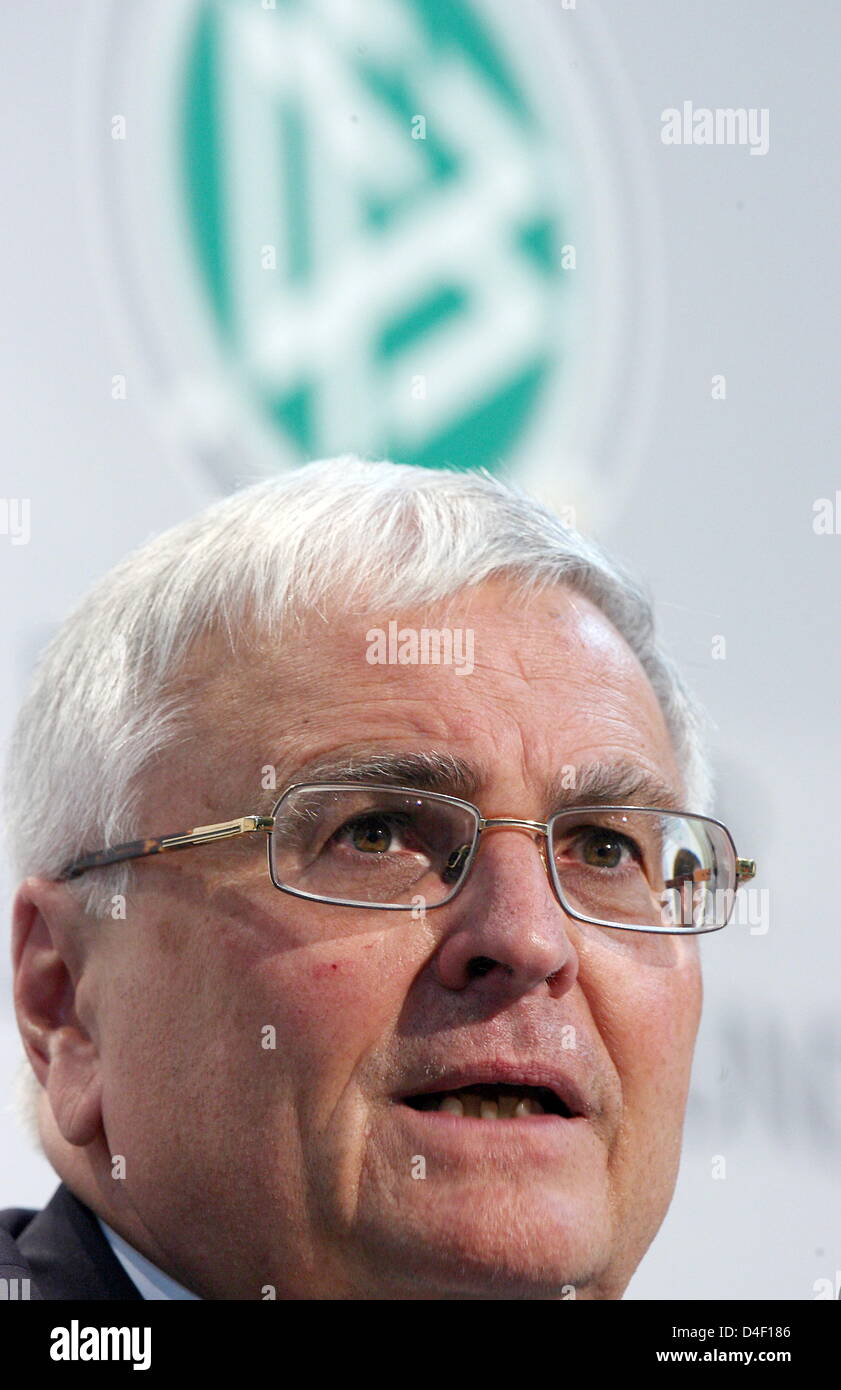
(492, 1101)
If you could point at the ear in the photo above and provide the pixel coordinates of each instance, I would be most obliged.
(48, 963)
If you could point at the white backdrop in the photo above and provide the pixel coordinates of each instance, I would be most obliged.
(719, 521)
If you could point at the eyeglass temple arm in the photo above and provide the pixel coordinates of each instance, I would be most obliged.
(745, 869)
(245, 825)
(138, 849)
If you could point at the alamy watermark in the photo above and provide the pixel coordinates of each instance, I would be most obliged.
(79, 1342)
(425, 646)
(14, 519)
(749, 907)
(719, 125)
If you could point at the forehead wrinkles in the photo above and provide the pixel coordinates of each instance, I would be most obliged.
(557, 649)
(523, 642)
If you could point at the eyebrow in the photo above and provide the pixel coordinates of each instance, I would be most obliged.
(620, 783)
(427, 771)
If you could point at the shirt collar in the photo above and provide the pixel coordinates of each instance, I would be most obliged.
(150, 1281)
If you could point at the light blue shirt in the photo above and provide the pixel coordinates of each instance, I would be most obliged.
(150, 1281)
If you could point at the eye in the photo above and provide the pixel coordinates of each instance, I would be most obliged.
(370, 834)
(605, 849)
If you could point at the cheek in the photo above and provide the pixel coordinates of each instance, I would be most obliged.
(331, 1004)
(656, 1059)
(159, 1045)
(647, 1011)
(648, 1022)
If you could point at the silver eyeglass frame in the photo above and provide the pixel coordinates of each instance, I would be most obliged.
(743, 869)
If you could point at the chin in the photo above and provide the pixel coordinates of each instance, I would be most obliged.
(499, 1246)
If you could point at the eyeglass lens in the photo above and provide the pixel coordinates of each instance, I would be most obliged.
(376, 846)
(644, 868)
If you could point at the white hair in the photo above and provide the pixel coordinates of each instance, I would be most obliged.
(101, 708)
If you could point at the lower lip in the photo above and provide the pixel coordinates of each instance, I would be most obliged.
(545, 1132)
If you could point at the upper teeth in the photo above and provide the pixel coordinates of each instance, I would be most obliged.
(506, 1108)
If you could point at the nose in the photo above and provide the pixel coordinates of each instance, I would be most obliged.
(508, 930)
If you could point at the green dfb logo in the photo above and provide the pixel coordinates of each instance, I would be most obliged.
(378, 242)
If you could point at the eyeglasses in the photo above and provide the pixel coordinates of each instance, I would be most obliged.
(636, 868)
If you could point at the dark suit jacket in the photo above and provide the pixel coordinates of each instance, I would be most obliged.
(62, 1251)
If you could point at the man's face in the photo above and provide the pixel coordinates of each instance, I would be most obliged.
(254, 1047)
